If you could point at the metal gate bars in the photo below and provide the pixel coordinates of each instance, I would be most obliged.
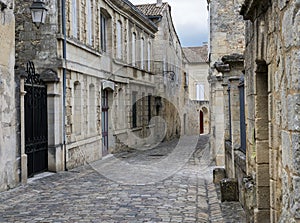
(36, 125)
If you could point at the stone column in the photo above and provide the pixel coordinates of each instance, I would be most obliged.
(56, 156)
(226, 112)
(235, 117)
(24, 170)
(235, 112)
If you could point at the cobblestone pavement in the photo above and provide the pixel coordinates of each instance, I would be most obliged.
(85, 195)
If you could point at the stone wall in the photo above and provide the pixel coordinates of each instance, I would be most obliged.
(273, 128)
(86, 65)
(9, 152)
(226, 38)
(169, 70)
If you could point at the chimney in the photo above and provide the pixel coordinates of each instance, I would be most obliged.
(159, 3)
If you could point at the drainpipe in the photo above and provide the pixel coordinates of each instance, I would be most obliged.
(63, 12)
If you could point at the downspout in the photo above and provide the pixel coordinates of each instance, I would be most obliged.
(63, 12)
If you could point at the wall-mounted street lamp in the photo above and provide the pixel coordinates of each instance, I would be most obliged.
(170, 73)
(38, 12)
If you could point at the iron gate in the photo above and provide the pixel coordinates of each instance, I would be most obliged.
(36, 125)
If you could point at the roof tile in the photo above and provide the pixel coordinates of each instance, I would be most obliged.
(152, 9)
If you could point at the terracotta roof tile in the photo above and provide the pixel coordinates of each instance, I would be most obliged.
(152, 9)
(196, 54)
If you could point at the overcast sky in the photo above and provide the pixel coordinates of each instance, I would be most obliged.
(190, 20)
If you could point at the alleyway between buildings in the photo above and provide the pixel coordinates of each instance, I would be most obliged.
(90, 194)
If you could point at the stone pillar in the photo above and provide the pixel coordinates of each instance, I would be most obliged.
(226, 112)
(22, 120)
(235, 117)
(235, 112)
(56, 153)
(262, 211)
(219, 122)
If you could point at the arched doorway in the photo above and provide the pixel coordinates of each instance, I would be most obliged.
(201, 122)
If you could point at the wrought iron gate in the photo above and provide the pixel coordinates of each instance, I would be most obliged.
(36, 125)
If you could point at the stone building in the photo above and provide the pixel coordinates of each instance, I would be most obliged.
(99, 73)
(169, 67)
(226, 48)
(198, 87)
(96, 64)
(9, 151)
(261, 112)
(272, 72)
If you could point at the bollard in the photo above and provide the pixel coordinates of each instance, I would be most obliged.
(218, 175)
(229, 189)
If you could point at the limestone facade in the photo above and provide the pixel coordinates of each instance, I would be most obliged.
(226, 46)
(169, 67)
(272, 72)
(108, 73)
(107, 49)
(198, 87)
(9, 151)
(261, 128)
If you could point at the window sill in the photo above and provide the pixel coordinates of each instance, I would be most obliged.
(77, 43)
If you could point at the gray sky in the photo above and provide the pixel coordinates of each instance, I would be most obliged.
(190, 19)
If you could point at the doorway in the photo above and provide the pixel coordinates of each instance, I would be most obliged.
(201, 122)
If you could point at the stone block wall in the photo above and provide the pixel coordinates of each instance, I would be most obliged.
(226, 38)
(272, 79)
(9, 152)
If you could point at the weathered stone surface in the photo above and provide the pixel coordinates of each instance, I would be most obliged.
(9, 156)
(262, 175)
(286, 149)
(293, 102)
(263, 197)
(296, 202)
(226, 43)
(276, 110)
(229, 189)
(262, 155)
(295, 158)
(218, 175)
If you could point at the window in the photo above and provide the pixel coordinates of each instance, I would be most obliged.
(186, 80)
(119, 40)
(133, 47)
(149, 56)
(89, 22)
(134, 109)
(142, 53)
(103, 27)
(200, 92)
(74, 18)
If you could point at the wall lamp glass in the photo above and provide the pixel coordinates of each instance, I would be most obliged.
(38, 12)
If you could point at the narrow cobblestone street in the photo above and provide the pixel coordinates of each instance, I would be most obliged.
(84, 195)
